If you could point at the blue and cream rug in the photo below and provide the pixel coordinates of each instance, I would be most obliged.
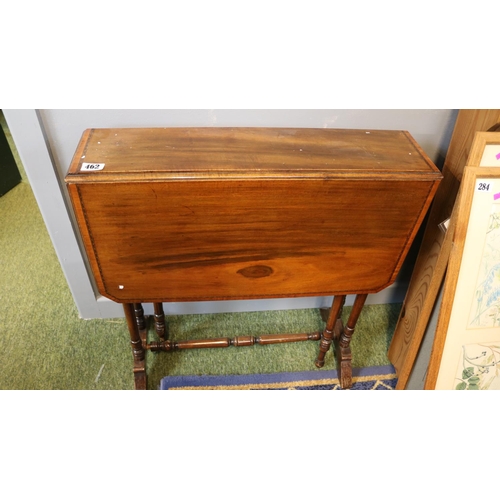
(365, 379)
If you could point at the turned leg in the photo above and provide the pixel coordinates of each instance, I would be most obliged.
(327, 337)
(141, 321)
(159, 315)
(137, 347)
(343, 351)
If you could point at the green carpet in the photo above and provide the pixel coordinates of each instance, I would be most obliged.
(45, 345)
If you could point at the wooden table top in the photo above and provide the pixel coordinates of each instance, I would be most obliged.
(248, 152)
(183, 214)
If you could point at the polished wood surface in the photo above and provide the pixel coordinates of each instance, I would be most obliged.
(230, 240)
(432, 260)
(248, 213)
(259, 232)
(215, 152)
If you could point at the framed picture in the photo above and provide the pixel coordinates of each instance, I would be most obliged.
(466, 349)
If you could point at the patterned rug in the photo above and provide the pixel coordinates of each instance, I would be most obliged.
(375, 378)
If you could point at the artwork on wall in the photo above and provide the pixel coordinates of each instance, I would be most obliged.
(466, 350)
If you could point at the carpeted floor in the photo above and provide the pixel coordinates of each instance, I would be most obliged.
(45, 345)
(375, 378)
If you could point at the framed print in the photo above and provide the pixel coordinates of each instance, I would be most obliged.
(466, 349)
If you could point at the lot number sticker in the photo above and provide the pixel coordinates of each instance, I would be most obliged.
(91, 167)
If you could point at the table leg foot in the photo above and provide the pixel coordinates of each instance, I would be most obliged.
(342, 343)
(140, 379)
(344, 366)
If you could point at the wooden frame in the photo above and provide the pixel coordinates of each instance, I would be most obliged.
(466, 349)
(484, 150)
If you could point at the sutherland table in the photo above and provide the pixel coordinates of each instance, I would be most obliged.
(193, 214)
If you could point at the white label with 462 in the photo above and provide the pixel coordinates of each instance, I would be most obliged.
(91, 167)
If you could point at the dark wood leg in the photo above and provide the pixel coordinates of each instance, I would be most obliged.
(160, 326)
(137, 347)
(327, 337)
(343, 351)
(141, 321)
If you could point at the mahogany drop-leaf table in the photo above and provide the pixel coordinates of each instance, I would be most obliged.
(195, 214)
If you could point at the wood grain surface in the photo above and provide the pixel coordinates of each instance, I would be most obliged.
(215, 214)
(173, 241)
(205, 153)
(434, 252)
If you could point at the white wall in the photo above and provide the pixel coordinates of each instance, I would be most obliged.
(47, 139)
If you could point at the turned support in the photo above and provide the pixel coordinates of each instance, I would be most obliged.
(159, 315)
(139, 316)
(343, 351)
(138, 351)
(327, 336)
(228, 342)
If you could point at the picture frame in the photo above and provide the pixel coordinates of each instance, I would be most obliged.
(466, 349)
(485, 150)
